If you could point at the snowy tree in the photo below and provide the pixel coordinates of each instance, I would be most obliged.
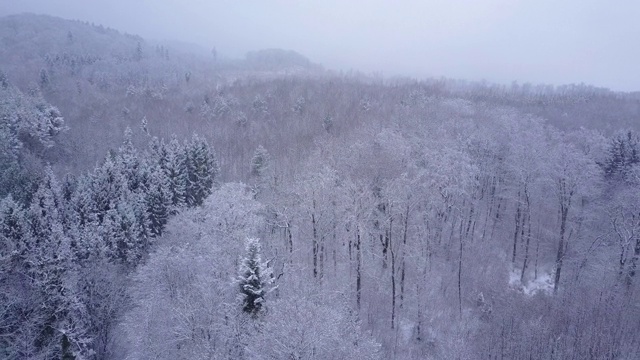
(255, 279)
(260, 162)
(176, 172)
(184, 304)
(623, 153)
(231, 212)
(51, 271)
(299, 328)
(158, 200)
(14, 289)
(130, 163)
(13, 230)
(202, 171)
(575, 176)
(108, 185)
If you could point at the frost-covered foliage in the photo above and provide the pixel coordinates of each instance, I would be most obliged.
(29, 126)
(299, 328)
(400, 219)
(65, 257)
(185, 296)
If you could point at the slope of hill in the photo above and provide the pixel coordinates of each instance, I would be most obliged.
(407, 215)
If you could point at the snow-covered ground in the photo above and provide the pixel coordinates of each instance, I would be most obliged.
(543, 283)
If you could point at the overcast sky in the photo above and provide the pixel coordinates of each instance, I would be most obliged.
(540, 41)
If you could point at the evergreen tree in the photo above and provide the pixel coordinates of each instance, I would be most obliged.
(623, 154)
(158, 153)
(176, 172)
(129, 163)
(202, 171)
(255, 278)
(50, 264)
(13, 229)
(47, 209)
(260, 169)
(19, 295)
(158, 199)
(108, 186)
(81, 205)
(44, 78)
(260, 162)
(125, 233)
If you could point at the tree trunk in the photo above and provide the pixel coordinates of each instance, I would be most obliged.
(393, 288)
(634, 263)
(404, 247)
(314, 244)
(358, 268)
(528, 238)
(517, 231)
(561, 247)
(460, 278)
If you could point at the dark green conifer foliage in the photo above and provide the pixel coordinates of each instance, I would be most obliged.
(255, 279)
(202, 171)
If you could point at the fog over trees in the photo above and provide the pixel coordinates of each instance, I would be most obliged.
(159, 202)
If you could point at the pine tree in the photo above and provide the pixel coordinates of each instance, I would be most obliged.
(158, 153)
(19, 293)
(50, 262)
(107, 186)
(81, 205)
(46, 210)
(12, 222)
(255, 279)
(13, 231)
(129, 162)
(260, 162)
(623, 154)
(158, 199)
(125, 228)
(176, 172)
(202, 171)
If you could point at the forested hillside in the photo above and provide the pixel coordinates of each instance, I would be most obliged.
(164, 202)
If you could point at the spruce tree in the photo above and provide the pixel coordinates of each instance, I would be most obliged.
(158, 152)
(623, 155)
(129, 162)
(176, 172)
(50, 261)
(255, 279)
(158, 199)
(108, 185)
(259, 162)
(13, 229)
(202, 171)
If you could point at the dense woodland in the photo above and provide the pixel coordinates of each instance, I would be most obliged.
(164, 202)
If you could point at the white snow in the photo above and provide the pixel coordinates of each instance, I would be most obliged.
(543, 283)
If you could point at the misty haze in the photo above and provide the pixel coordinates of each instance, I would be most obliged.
(319, 180)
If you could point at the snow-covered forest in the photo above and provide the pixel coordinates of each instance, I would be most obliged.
(164, 202)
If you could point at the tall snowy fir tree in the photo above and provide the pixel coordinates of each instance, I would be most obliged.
(202, 171)
(158, 199)
(255, 279)
(260, 163)
(177, 173)
(15, 287)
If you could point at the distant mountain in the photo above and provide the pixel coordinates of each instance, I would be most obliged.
(30, 42)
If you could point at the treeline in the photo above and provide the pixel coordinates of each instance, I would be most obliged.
(104, 81)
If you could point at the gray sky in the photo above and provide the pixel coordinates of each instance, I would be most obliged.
(538, 41)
